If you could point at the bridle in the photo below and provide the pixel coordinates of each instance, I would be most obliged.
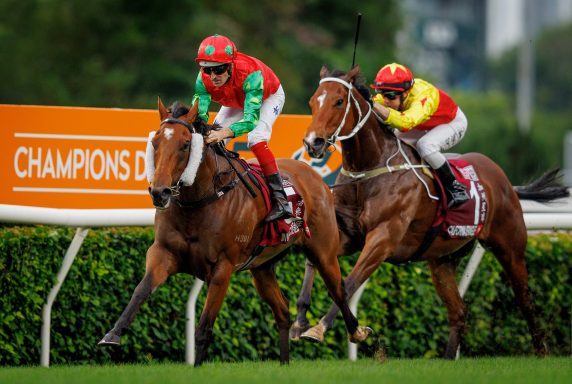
(361, 120)
(364, 175)
(195, 158)
(173, 120)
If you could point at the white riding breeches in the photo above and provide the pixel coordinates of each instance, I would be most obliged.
(269, 111)
(431, 143)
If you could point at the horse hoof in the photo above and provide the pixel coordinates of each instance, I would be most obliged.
(296, 330)
(110, 339)
(315, 334)
(361, 334)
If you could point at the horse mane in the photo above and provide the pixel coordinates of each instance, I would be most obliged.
(359, 83)
(178, 109)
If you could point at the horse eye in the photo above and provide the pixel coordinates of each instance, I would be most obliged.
(187, 145)
(340, 102)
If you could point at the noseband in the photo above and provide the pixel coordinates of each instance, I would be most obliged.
(361, 121)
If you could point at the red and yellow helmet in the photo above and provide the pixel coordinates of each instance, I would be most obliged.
(216, 50)
(393, 77)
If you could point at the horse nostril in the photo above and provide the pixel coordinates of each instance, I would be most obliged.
(166, 193)
(319, 143)
(160, 194)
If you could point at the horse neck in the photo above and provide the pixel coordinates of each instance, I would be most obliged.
(370, 147)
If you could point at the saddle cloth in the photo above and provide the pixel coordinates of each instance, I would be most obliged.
(281, 231)
(468, 219)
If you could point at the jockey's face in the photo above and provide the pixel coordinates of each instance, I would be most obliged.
(394, 100)
(219, 75)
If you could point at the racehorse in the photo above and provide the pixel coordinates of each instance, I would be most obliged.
(384, 209)
(208, 224)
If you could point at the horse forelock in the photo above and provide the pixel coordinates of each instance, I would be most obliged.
(178, 109)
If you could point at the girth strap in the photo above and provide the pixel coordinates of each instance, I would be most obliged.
(380, 171)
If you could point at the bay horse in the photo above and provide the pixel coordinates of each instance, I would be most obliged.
(386, 212)
(207, 224)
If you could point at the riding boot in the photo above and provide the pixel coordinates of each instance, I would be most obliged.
(280, 207)
(456, 192)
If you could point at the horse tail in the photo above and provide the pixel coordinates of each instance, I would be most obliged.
(544, 189)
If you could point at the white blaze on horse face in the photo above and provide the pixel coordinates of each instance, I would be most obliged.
(310, 137)
(168, 133)
(321, 98)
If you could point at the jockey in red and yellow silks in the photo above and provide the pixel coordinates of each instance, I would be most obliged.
(425, 107)
(251, 99)
(426, 117)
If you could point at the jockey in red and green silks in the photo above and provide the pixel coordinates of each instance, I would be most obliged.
(251, 98)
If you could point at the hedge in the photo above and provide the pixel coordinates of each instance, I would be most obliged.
(400, 304)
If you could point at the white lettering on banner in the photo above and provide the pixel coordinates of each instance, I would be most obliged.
(140, 165)
(98, 164)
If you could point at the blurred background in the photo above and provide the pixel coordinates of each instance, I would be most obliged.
(508, 63)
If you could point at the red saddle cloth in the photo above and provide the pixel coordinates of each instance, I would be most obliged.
(281, 231)
(467, 219)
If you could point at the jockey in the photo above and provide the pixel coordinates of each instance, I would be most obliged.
(426, 117)
(251, 99)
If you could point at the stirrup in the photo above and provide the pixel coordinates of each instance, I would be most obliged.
(278, 212)
(457, 198)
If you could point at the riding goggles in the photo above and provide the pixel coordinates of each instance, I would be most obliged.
(218, 70)
(391, 95)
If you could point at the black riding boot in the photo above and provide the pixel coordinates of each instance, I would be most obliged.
(280, 207)
(456, 192)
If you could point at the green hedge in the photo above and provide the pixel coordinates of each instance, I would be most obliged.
(400, 304)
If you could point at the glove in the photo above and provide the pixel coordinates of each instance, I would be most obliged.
(379, 99)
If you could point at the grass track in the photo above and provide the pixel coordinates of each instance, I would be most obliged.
(506, 370)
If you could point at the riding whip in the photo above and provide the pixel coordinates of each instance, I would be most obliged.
(356, 39)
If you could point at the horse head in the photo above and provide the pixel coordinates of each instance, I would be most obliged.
(332, 112)
(174, 153)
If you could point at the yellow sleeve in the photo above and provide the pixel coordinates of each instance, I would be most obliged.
(421, 108)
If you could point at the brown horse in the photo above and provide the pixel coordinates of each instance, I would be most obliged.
(207, 224)
(387, 213)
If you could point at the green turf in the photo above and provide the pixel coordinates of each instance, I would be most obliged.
(483, 370)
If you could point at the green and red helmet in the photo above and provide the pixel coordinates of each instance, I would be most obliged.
(216, 50)
(393, 77)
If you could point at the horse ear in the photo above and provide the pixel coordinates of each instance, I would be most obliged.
(193, 113)
(324, 72)
(163, 113)
(351, 75)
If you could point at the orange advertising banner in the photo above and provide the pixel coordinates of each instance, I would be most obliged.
(64, 157)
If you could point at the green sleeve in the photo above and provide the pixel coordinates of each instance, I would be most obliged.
(203, 97)
(254, 90)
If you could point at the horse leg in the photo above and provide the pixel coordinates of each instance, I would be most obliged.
(510, 254)
(156, 272)
(217, 282)
(376, 250)
(267, 287)
(329, 268)
(444, 280)
(302, 324)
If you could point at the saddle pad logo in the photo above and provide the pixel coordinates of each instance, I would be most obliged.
(468, 219)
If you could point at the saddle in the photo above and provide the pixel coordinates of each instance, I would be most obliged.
(464, 221)
(278, 231)
(468, 219)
